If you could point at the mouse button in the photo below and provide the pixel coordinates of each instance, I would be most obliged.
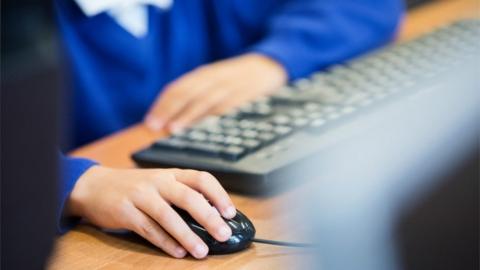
(196, 227)
(240, 217)
(234, 225)
(233, 244)
(245, 223)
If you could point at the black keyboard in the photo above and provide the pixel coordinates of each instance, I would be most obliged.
(269, 142)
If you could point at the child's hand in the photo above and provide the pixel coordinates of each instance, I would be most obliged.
(215, 88)
(139, 200)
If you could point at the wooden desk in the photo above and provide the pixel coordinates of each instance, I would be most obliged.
(88, 248)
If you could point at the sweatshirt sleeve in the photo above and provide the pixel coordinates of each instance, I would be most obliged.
(308, 35)
(71, 170)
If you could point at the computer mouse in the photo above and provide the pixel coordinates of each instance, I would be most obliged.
(243, 233)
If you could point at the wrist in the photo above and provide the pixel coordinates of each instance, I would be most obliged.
(74, 206)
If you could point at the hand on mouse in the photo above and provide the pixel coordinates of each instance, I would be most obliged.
(140, 200)
(214, 89)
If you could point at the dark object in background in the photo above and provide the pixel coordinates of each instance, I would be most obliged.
(441, 231)
(415, 3)
(29, 152)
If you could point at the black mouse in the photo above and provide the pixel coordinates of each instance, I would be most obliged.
(243, 233)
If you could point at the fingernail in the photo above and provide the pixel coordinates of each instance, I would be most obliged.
(180, 252)
(154, 124)
(200, 251)
(224, 232)
(230, 212)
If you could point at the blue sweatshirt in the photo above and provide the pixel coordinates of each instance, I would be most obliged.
(116, 76)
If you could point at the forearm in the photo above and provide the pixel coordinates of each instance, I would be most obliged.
(306, 36)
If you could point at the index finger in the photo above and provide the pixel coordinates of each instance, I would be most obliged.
(174, 98)
(209, 186)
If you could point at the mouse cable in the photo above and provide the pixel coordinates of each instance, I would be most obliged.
(282, 243)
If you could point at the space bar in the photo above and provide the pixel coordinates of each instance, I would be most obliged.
(187, 146)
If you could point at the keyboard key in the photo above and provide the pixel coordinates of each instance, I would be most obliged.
(357, 98)
(287, 96)
(180, 133)
(329, 109)
(311, 107)
(281, 119)
(207, 149)
(197, 136)
(251, 144)
(263, 110)
(216, 138)
(246, 124)
(170, 144)
(231, 140)
(348, 109)
(208, 122)
(213, 129)
(229, 123)
(263, 126)
(296, 113)
(232, 153)
(333, 116)
(257, 109)
(316, 115)
(282, 130)
(233, 131)
(317, 124)
(249, 134)
(266, 137)
(300, 122)
(302, 84)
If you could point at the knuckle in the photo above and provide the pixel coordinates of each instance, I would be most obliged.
(122, 209)
(206, 177)
(201, 181)
(206, 180)
(146, 229)
(124, 215)
(170, 178)
(190, 197)
(164, 177)
(139, 190)
(212, 216)
(161, 215)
